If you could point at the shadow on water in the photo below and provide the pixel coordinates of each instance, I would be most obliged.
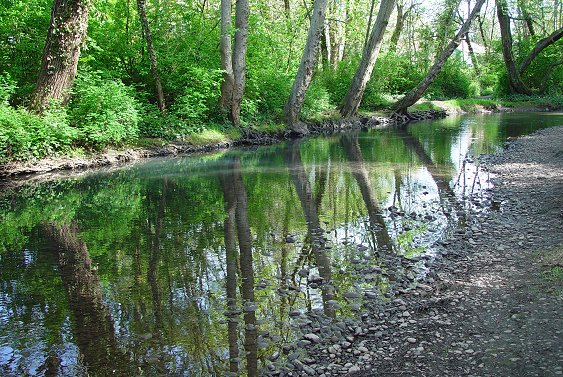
(217, 265)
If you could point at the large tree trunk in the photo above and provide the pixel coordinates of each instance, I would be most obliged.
(541, 45)
(142, 7)
(414, 95)
(239, 58)
(514, 80)
(363, 74)
(370, 18)
(305, 71)
(67, 30)
(226, 57)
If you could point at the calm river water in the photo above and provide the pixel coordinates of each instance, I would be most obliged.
(212, 265)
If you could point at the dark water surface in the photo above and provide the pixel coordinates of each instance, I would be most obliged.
(217, 264)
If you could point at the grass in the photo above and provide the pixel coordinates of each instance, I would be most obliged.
(554, 274)
(551, 275)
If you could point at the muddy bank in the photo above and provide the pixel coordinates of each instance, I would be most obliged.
(116, 157)
(488, 307)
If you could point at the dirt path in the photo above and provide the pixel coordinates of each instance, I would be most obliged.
(494, 305)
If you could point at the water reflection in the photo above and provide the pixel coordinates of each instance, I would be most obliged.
(237, 217)
(93, 325)
(315, 233)
(216, 265)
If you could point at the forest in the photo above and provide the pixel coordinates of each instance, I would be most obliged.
(78, 76)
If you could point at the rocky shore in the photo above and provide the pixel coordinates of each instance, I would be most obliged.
(491, 304)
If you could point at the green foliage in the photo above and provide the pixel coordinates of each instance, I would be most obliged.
(395, 74)
(104, 111)
(268, 91)
(200, 96)
(24, 135)
(337, 81)
(454, 81)
(317, 101)
(7, 87)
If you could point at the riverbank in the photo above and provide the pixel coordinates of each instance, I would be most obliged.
(209, 141)
(491, 305)
(158, 148)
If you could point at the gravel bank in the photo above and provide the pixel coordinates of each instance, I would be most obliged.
(487, 308)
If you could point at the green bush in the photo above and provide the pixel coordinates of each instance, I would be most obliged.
(337, 81)
(454, 81)
(200, 97)
(7, 87)
(394, 74)
(24, 136)
(104, 112)
(267, 92)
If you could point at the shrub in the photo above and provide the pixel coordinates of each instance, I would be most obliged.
(24, 136)
(200, 97)
(268, 92)
(104, 111)
(7, 87)
(394, 74)
(454, 81)
(317, 100)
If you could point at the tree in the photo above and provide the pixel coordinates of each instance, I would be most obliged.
(226, 57)
(541, 45)
(363, 74)
(142, 7)
(67, 30)
(415, 94)
(233, 64)
(515, 83)
(305, 71)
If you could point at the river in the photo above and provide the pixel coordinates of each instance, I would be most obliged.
(216, 265)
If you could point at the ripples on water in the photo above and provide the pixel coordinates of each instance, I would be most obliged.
(214, 265)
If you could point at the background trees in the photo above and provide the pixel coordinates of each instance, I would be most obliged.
(192, 41)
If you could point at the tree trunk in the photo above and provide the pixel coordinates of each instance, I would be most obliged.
(67, 30)
(226, 57)
(325, 46)
(142, 7)
(305, 71)
(472, 55)
(527, 18)
(514, 80)
(370, 18)
(539, 47)
(239, 58)
(398, 28)
(363, 74)
(414, 95)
